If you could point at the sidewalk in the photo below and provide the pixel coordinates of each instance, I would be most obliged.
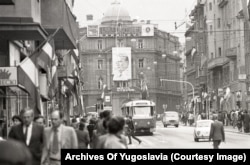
(227, 129)
(234, 130)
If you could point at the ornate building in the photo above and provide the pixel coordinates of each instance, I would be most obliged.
(128, 57)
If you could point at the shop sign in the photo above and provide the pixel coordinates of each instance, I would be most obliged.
(107, 98)
(8, 76)
(125, 89)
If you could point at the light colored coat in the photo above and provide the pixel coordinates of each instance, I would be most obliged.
(68, 141)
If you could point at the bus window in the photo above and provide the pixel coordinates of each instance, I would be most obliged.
(152, 111)
(142, 111)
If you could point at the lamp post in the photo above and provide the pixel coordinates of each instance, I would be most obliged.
(181, 82)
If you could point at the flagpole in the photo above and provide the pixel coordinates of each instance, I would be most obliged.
(46, 40)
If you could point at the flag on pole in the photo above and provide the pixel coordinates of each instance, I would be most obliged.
(44, 57)
(144, 89)
(28, 75)
(28, 71)
(104, 90)
(193, 52)
(53, 81)
(203, 60)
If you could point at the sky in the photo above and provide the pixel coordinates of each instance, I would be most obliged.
(162, 12)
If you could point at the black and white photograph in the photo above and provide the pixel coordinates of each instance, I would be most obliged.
(123, 74)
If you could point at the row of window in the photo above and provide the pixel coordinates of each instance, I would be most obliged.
(120, 43)
(100, 63)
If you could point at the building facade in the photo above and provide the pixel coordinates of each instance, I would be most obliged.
(149, 58)
(224, 49)
(25, 29)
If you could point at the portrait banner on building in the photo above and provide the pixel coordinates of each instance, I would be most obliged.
(121, 63)
(93, 31)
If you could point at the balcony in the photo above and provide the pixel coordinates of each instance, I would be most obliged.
(57, 15)
(223, 3)
(231, 53)
(216, 62)
(21, 20)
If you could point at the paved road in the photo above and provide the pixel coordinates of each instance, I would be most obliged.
(182, 137)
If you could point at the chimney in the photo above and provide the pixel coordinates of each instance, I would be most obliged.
(89, 17)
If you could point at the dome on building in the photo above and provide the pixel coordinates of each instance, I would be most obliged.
(116, 12)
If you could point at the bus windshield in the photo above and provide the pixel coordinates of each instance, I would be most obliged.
(142, 111)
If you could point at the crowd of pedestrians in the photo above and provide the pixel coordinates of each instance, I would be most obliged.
(44, 144)
(238, 119)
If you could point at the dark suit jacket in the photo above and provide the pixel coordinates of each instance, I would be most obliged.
(83, 138)
(217, 131)
(36, 140)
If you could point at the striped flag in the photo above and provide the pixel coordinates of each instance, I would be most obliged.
(144, 89)
(104, 90)
(53, 81)
(193, 52)
(28, 75)
(45, 55)
(28, 72)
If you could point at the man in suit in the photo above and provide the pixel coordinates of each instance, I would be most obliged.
(217, 132)
(29, 133)
(56, 138)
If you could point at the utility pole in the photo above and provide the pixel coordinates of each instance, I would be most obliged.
(179, 81)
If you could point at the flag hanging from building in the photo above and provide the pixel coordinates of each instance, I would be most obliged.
(53, 81)
(28, 75)
(203, 60)
(45, 55)
(104, 91)
(193, 52)
(144, 89)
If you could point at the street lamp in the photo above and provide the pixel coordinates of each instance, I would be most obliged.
(181, 82)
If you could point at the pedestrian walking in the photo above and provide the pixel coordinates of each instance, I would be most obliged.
(30, 134)
(114, 139)
(131, 130)
(82, 135)
(101, 126)
(40, 120)
(91, 129)
(56, 138)
(217, 133)
(16, 119)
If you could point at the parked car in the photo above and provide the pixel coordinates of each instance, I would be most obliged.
(170, 118)
(202, 129)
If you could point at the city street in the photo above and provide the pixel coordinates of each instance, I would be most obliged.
(182, 137)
